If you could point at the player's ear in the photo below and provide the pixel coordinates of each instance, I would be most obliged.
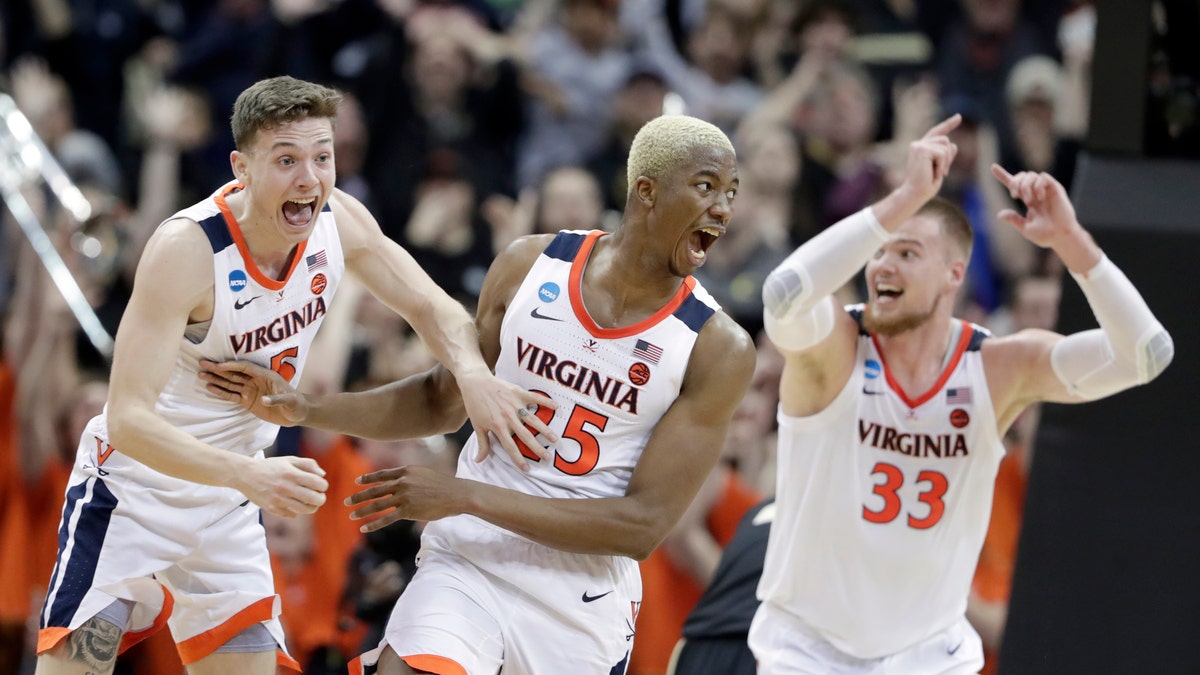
(646, 190)
(957, 272)
(237, 162)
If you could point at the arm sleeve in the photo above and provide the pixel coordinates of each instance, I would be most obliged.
(1130, 348)
(797, 309)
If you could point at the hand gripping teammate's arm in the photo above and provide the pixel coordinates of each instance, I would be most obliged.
(172, 283)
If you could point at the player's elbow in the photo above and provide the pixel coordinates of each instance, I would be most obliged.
(1157, 354)
(122, 426)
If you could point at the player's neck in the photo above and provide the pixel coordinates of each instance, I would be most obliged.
(620, 290)
(917, 357)
(271, 253)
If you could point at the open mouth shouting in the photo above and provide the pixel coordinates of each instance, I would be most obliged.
(299, 212)
(886, 294)
(700, 241)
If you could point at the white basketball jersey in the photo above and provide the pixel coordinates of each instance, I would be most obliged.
(612, 385)
(883, 502)
(255, 318)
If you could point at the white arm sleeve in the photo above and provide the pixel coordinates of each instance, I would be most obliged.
(1130, 348)
(797, 310)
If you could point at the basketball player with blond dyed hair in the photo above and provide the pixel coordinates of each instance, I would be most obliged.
(891, 416)
(536, 572)
(162, 521)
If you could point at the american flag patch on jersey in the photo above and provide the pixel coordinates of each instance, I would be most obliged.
(645, 350)
(316, 260)
(958, 396)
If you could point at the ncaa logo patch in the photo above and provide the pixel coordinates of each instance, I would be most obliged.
(548, 292)
(237, 281)
(872, 369)
(317, 285)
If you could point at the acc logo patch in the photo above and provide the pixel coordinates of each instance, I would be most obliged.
(959, 418)
(237, 281)
(318, 284)
(639, 373)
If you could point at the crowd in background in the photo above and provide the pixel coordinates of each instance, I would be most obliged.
(466, 124)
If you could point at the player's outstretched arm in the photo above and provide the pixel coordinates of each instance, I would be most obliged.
(681, 452)
(420, 405)
(395, 278)
(172, 281)
(798, 310)
(1130, 348)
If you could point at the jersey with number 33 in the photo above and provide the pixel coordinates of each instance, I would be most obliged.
(883, 502)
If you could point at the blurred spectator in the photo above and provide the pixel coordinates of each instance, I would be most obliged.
(758, 233)
(220, 55)
(710, 79)
(573, 68)
(87, 44)
(715, 635)
(1034, 305)
(380, 568)
(1000, 254)
(47, 102)
(676, 573)
(568, 199)
(637, 102)
(976, 55)
(442, 107)
(350, 147)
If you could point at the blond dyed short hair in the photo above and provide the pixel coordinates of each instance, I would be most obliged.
(666, 142)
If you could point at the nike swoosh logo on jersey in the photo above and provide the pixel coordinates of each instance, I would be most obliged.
(951, 651)
(593, 598)
(535, 314)
(238, 304)
(868, 392)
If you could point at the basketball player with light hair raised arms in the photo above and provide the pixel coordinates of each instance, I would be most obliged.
(536, 572)
(891, 416)
(162, 517)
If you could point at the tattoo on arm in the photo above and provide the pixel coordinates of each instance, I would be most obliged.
(95, 644)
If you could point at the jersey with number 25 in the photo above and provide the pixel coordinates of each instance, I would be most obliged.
(612, 385)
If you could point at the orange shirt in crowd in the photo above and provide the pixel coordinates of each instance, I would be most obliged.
(669, 592)
(998, 558)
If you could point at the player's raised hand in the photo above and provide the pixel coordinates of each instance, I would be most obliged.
(260, 390)
(284, 486)
(929, 159)
(1049, 215)
(503, 413)
(407, 493)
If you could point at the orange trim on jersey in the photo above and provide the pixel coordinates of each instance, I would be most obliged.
(439, 665)
(132, 638)
(48, 638)
(199, 646)
(236, 232)
(285, 661)
(963, 341)
(575, 287)
(355, 667)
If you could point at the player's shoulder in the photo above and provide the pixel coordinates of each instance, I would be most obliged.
(179, 237)
(519, 256)
(1015, 352)
(723, 344)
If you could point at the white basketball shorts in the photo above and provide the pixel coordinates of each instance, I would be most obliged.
(190, 556)
(484, 599)
(783, 645)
